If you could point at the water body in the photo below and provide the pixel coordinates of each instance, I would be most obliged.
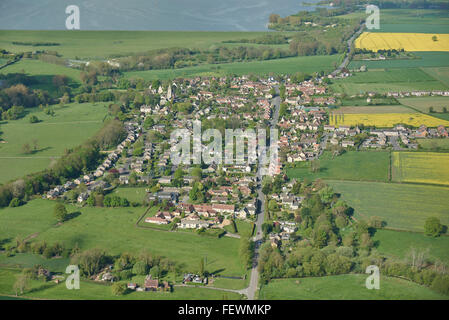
(195, 15)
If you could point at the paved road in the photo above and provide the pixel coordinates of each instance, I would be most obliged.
(349, 42)
(254, 279)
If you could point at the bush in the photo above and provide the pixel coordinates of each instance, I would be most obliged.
(433, 227)
(118, 289)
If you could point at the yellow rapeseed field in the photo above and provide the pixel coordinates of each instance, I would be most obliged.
(386, 120)
(407, 41)
(421, 167)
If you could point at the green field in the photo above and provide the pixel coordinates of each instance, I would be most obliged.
(28, 260)
(402, 206)
(387, 80)
(42, 73)
(420, 167)
(427, 59)
(423, 104)
(352, 165)
(70, 126)
(434, 144)
(99, 291)
(102, 44)
(114, 230)
(134, 194)
(398, 244)
(345, 287)
(287, 65)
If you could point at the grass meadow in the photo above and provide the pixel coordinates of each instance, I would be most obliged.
(352, 165)
(345, 287)
(420, 167)
(71, 125)
(402, 206)
(398, 244)
(114, 230)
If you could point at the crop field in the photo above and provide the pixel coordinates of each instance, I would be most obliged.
(345, 287)
(402, 206)
(441, 74)
(421, 167)
(423, 104)
(70, 126)
(398, 244)
(426, 59)
(286, 65)
(103, 44)
(407, 41)
(372, 109)
(386, 120)
(388, 80)
(114, 230)
(352, 165)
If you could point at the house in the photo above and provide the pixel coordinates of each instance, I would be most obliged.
(165, 180)
(151, 284)
(193, 224)
(223, 208)
(132, 286)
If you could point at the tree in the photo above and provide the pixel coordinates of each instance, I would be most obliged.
(26, 149)
(140, 268)
(22, 283)
(434, 38)
(60, 212)
(433, 227)
(118, 288)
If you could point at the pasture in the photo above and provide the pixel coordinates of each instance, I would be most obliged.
(398, 244)
(114, 230)
(441, 74)
(279, 66)
(345, 287)
(422, 104)
(420, 167)
(386, 120)
(351, 165)
(71, 125)
(402, 206)
(408, 41)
